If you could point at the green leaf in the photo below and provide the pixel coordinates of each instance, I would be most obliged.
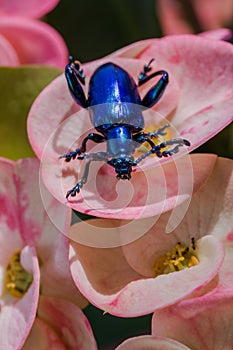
(18, 89)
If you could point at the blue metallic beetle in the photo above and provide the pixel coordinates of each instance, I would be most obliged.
(115, 108)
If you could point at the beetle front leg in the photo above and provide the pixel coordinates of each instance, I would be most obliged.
(74, 75)
(156, 92)
(93, 137)
(100, 156)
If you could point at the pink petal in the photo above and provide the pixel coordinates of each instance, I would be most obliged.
(148, 342)
(217, 34)
(217, 214)
(8, 55)
(125, 293)
(69, 323)
(119, 280)
(196, 118)
(201, 101)
(209, 14)
(209, 312)
(155, 191)
(56, 278)
(209, 212)
(35, 221)
(10, 234)
(43, 336)
(24, 8)
(171, 17)
(213, 14)
(34, 41)
(199, 323)
(148, 193)
(17, 317)
(200, 66)
(45, 226)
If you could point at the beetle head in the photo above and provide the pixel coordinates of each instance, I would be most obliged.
(123, 167)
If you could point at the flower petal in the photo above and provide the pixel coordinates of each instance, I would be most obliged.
(68, 321)
(45, 227)
(217, 34)
(125, 293)
(148, 342)
(200, 323)
(10, 233)
(171, 17)
(149, 192)
(207, 15)
(43, 336)
(34, 41)
(24, 8)
(188, 58)
(8, 55)
(130, 290)
(17, 317)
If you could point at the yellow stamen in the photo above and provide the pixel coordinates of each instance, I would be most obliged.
(17, 280)
(178, 258)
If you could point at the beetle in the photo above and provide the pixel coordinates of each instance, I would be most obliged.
(115, 108)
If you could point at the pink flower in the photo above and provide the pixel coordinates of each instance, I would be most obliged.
(60, 325)
(158, 269)
(197, 104)
(178, 18)
(205, 321)
(149, 342)
(26, 40)
(33, 252)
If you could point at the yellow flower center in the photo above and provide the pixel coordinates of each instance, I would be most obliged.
(178, 258)
(17, 280)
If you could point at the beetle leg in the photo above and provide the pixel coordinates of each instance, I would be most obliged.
(147, 68)
(92, 157)
(156, 149)
(76, 65)
(155, 134)
(93, 137)
(79, 185)
(74, 75)
(156, 92)
(142, 137)
(158, 132)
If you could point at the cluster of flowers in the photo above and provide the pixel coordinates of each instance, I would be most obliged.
(124, 261)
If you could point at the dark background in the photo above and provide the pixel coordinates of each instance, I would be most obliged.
(92, 29)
